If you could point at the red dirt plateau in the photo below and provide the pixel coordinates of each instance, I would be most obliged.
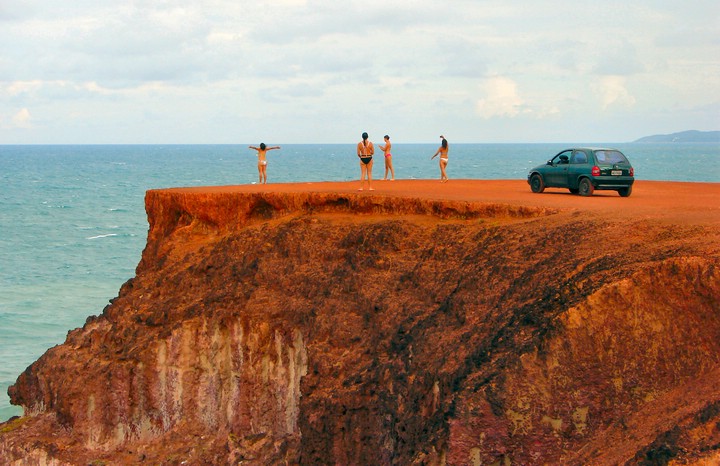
(462, 323)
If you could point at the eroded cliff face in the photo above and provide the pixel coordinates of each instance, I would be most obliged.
(321, 328)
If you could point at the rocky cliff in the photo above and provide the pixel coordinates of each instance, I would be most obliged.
(342, 328)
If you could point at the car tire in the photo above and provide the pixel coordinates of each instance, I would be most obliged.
(537, 185)
(585, 188)
(625, 192)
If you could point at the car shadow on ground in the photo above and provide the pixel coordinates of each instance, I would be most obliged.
(567, 193)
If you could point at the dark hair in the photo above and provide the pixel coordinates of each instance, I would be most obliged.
(444, 142)
(387, 137)
(364, 135)
(262, 146)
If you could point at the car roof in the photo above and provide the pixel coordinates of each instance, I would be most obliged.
(592, 148)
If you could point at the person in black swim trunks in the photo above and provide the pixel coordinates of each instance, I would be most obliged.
(365, 151)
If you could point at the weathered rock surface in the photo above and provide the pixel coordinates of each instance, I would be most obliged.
(341, 328)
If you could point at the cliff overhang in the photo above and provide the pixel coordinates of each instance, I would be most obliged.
(346, 328)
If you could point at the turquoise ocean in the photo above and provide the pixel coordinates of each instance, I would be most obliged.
(73, 223)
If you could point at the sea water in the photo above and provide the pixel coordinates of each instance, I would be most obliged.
(73, 223)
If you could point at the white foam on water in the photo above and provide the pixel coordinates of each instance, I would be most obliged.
(102, 236)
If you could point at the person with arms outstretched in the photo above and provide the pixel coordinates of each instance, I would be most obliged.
(262, 160)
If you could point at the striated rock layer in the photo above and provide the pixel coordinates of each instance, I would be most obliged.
(341, 328)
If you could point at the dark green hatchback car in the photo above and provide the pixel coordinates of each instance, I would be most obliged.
(582, 170)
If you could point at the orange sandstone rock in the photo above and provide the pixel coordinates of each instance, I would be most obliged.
(423, 323)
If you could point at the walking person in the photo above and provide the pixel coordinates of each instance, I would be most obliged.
(365, 151)
(388, 158)
(262, 160)
(443, 152)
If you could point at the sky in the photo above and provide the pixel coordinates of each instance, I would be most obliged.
(324, 71)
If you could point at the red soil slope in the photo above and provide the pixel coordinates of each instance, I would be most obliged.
(470, 322)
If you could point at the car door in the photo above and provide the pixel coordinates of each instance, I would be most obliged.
(557, 171)
(579, 165)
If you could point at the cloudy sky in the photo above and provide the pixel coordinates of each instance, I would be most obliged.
(323, 71)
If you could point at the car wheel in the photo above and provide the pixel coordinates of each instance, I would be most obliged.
(537, 185)
(585, 188)
(625, 192)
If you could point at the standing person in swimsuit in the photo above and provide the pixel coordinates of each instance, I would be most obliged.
(443, 152)
(388, 158)
(365, 151)
(262, 161)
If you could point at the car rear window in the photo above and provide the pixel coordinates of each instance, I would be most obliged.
(610, 156)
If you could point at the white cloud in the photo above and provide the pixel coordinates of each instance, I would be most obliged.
(22, 119)
(613, 92)
(21, 87)
(501, 98)
(292, 66)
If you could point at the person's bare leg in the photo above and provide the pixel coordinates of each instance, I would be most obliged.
(363, 169)
(369, 175)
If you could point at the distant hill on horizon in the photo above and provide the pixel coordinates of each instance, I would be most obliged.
(684, 136)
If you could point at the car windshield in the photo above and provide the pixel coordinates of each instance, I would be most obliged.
(610, 156)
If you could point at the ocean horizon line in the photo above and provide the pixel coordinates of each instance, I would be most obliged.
(208, 144)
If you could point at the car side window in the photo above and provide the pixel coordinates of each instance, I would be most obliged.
(562, 157)
(579, 157)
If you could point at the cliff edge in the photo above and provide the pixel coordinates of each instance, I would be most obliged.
(475, 324)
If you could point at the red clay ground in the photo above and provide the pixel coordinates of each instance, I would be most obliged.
(678, 202)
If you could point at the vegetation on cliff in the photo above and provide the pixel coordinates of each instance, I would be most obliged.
(684, 136)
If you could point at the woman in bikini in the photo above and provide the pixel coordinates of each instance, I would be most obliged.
(262, 161)
(443, 152)
(388, 158)
(365, 151)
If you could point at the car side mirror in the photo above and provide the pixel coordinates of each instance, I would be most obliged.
(549, 162)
